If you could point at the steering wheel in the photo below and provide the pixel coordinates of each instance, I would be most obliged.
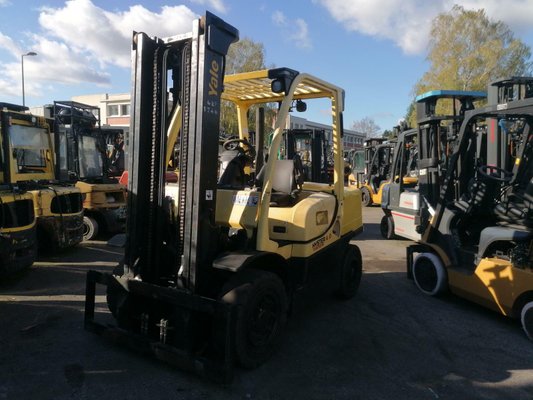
(233, 144)
(494, 173)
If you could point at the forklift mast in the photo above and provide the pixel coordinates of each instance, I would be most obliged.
(181, 75)
(437, 135)
(501, 133)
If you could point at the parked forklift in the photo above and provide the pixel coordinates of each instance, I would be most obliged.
(370, 180)
(210, 277)
(18, 244)
(426, 150)
(29, 163)
(477, 240)
(311, 146)
(81, 149)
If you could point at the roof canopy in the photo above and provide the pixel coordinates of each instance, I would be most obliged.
(255, 87)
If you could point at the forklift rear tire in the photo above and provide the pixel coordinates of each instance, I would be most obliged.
(387, 227)
(526, 317)
(261, 317)
(429, 274)
(90, 228)
(366, 197)
(350, 273)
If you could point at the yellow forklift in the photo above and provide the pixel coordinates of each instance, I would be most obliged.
(372, 177)
(82, 152)
(476, 240)
(209, 277)
(29, 163)
(18, 245)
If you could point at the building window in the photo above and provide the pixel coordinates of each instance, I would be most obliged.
(118, 110)
(112, 110)
(124, 109)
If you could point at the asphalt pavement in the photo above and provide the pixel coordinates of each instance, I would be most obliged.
(389, 342)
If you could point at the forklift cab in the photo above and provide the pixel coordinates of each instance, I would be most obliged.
(81, 149)
(283, 181)
(409, 206)
(30, 163)
(371, 169)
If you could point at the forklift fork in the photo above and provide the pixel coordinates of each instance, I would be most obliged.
(216, 368)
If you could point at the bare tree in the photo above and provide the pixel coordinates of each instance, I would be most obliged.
(368, 126)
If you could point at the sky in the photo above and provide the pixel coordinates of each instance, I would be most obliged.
(374, 49)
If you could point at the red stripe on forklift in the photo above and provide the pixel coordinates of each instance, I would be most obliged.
(492, 130)
(403, 215)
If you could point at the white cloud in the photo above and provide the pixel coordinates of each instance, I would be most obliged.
(106, 36)
(279, 18)
(79, 41)
(515, 13)
(407, 22)
(296, 32)
(301, 34)
(7, 43)
(5, 3)
(218, 5)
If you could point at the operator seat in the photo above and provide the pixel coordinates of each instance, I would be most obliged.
(283, 184)
(517, 208)
(232, 175)
(286, 182)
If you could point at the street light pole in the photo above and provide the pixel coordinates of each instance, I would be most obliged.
(31, 53)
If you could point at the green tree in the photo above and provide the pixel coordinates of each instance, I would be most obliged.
(368, 126)
(243, 56)
(388, 134)
(467, 50)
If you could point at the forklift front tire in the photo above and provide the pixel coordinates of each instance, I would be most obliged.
(429, 274)
(90, 228)
(387, 227)
(261, 317)
(366, 197)
(350, 273)
(526, 317)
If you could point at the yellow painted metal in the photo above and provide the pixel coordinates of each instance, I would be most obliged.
(100, 196)
(302, 225)
(43, 197)
(40, 173)
(495, 284)
(8, 196)
(173, 132)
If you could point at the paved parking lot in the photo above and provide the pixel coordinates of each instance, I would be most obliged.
(390, 342)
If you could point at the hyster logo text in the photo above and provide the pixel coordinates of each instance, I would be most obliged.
(213, 83)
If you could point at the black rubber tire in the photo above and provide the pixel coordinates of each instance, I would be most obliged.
(90, 228)
(366, 197)
(526, 318)
(351, 271)
(386, 227)
(261, 317)
(429, 274)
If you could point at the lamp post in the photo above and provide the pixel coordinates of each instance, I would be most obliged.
(30, 53)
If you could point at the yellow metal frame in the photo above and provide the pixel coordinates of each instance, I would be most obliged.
(495, 284)
(253, 88)
(10, 197)
(46, 172)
